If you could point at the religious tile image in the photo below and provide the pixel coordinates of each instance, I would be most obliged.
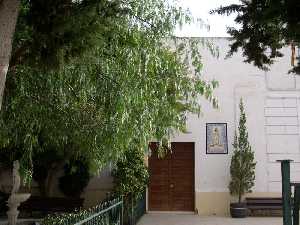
(216, 138)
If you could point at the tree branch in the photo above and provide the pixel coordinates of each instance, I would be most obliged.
(144, 21)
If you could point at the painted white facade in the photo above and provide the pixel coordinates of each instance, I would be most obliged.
(272, 104)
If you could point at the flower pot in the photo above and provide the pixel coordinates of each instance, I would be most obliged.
(238, 210)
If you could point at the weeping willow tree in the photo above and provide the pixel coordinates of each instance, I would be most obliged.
(116, 87)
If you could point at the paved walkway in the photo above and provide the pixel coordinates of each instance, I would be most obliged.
(183, 219)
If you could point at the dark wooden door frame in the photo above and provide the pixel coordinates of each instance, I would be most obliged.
(194, 180)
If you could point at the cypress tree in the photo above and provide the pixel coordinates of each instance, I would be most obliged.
(242, 168)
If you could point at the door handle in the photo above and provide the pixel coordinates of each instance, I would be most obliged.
(171, 185)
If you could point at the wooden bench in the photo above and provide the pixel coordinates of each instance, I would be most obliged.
(264, 206)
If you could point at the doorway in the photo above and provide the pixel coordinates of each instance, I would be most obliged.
(172, 178)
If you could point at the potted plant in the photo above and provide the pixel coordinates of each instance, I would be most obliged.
(242, 168)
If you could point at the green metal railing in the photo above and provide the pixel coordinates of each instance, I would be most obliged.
(134, 209)
(109, 212)
(109, 216)
(140, 207)
(290, 203)
(112, 211)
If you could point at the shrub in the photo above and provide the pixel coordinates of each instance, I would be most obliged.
(131, 175)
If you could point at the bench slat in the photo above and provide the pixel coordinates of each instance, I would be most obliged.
(264, 207)
(264, 204)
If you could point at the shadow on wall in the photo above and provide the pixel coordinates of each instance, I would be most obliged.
(95, 191)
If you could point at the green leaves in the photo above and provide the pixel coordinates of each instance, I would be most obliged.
(131, 175)
(242, 168)
(266, 27)
(120, 82)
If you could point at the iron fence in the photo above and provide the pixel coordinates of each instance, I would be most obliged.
(108, 216)
(109, 212)
(134, 209)
(112, 211)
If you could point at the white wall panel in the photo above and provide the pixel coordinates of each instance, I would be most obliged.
(274, 186)
(275, 129)
(274, 102)
(289, 102)
(282, 144)
(280, 111)
(280, 121)
(282, 136)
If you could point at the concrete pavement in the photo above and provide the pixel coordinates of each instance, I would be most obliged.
(185, 219)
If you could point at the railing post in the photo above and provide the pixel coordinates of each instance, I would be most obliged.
(286, 191)
(132, 210)
(296, 204)
(122, 211)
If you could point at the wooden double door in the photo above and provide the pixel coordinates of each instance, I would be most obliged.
(171, 185)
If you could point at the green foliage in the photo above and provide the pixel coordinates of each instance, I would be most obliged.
(75, 179)
(131, 176)
(242, 168)
(126, 88)
(52, 32)
(110, 217)
(266, 26)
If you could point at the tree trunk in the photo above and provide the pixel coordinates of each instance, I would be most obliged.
(53, 169)
(240, 198)
(49, 182)
(9, 10)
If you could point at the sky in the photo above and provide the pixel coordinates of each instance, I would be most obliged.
(200, 9)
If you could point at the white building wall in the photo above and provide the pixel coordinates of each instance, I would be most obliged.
(272, 106)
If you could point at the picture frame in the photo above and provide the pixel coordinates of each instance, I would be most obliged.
(216, 138)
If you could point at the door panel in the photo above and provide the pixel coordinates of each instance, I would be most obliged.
(182, 176)
(159, 182)
(171, 185)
